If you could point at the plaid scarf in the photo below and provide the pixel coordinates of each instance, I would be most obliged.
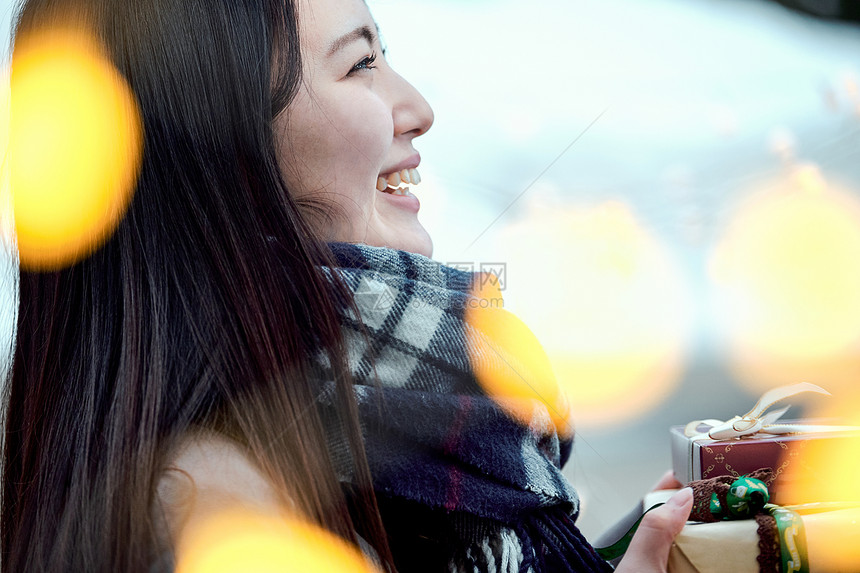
(449, 467)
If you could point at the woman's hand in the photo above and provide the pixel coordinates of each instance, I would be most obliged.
(649, 550)
(667, 481)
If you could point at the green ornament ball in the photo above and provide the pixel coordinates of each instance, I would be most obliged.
(746, 497)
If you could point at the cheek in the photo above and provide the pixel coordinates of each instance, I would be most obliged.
(361, 132)
(338, 142)
(301, 148)
(345, 137)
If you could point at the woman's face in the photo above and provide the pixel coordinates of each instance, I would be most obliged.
(347, 137)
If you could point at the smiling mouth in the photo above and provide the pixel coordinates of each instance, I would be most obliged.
(391, 183)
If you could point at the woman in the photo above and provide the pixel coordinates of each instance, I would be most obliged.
(216, 331)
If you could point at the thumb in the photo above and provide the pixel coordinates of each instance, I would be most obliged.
(649, 549)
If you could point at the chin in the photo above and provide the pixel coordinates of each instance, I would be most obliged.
(421, 244)
(427, 250)
(417, 242)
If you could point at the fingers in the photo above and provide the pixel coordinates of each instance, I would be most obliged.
(667, 481)
(649, 550)
(664, 523)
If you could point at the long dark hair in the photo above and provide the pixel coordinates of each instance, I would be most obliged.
(188, 316)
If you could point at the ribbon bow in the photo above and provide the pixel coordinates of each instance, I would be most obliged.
(756, 420)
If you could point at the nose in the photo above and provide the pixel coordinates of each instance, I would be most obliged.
(412, 115)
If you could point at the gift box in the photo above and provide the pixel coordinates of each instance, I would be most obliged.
(710, 448)
(704, 458)
(830, 532)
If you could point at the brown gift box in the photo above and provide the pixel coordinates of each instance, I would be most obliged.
(704, 458)
(732, 546)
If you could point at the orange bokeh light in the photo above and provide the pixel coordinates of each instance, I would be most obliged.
(607, 303)
(75, 147)
(237, 541)
(511, 365)
(827, 471)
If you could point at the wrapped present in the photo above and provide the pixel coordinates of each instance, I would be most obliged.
(709, 448)
(824, 541)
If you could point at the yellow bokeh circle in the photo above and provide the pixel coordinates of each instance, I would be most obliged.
(75, 146)
(236, 541)
(512, 367)
(607, 302)
(825, 470)
(786, 275)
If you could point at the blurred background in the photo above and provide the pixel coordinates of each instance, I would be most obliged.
(669, 190)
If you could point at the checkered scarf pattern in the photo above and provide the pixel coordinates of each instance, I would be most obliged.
(433, 437)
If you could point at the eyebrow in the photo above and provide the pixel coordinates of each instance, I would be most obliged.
(362, 32)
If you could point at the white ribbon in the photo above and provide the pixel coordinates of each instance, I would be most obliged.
(756, 421)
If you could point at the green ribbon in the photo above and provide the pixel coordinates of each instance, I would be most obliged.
(792, 539)
(619, 548)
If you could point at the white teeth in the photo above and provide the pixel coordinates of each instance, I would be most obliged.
(391, 183)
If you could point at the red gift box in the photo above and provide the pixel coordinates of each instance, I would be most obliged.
(703, 458)
(758, 439)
